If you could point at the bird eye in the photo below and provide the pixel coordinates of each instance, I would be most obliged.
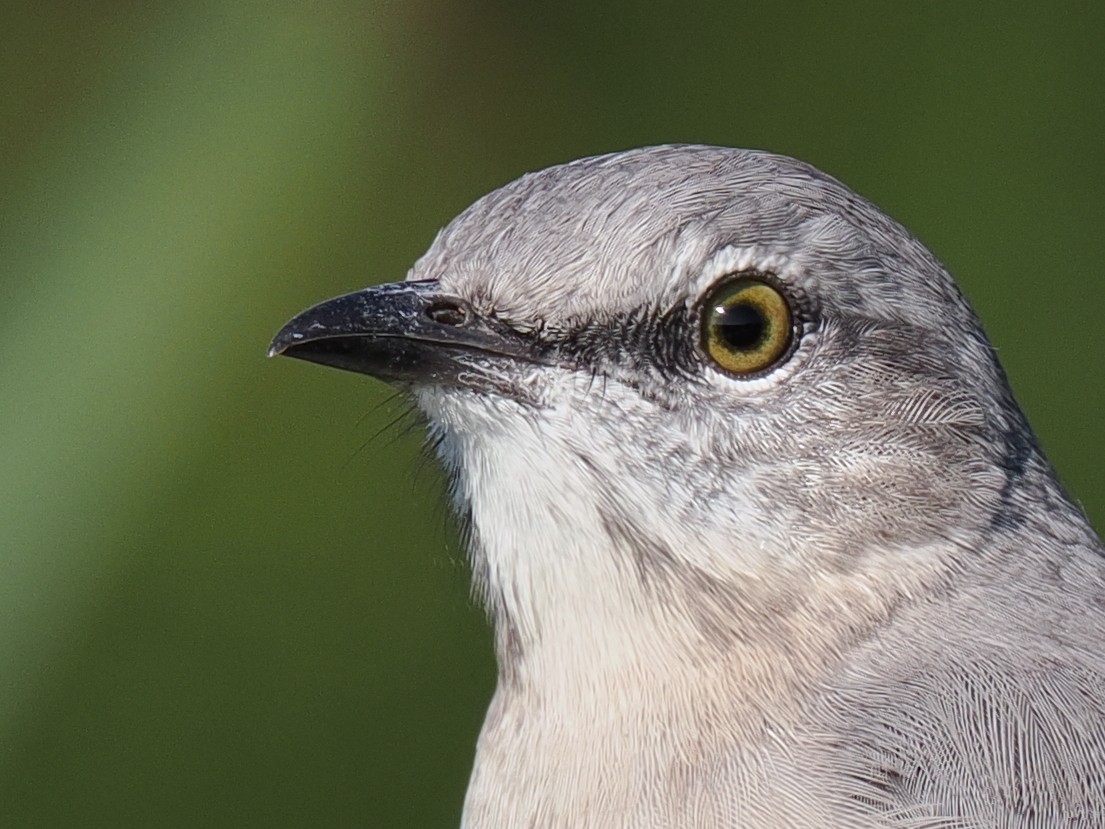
(747, 325)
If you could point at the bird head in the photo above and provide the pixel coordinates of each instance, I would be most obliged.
(692, 389)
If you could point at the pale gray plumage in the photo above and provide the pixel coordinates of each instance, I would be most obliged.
(846, 592)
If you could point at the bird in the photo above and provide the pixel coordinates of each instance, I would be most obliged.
(763, 536)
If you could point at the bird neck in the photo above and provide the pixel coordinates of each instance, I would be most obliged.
(584, 597)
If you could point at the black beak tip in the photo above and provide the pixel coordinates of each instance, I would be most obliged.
(278, 346)
(339, 317)
(285, 338)
(304, 327)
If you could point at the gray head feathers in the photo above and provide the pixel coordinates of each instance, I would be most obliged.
(765, 538)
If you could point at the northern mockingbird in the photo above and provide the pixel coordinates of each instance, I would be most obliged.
(763, 535)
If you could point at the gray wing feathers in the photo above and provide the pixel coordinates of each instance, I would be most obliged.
(978, 745)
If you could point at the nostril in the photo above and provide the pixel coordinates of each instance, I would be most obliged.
(448, 312)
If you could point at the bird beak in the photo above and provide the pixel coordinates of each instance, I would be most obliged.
(400, 332)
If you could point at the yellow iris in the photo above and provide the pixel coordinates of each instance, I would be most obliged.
(747, 325)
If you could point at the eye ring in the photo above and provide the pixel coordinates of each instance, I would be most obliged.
(748, 325)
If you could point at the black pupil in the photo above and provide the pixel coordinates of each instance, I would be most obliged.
(740, 326)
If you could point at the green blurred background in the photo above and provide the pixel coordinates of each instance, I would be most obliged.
(229, 591)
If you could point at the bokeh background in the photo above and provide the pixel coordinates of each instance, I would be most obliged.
(229, 591)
